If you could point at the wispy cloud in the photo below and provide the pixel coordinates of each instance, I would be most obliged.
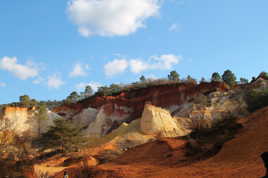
(2, 84)
(79, 70)
(38, 80)
(54, 81)
(174, 28)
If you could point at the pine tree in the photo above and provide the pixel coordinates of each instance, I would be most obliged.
(203, 80)
(142, 78)
(73, 97)
(229, 78)
(243, 80)
(173, 75)
(190, 79)
(216, 77)
(88, 91)
(41, 116)
(64, 135)
(25, 101)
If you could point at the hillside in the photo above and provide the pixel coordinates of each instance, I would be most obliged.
(240, 157)
(150, 131)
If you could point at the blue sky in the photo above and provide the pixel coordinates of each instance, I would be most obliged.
(50, 48)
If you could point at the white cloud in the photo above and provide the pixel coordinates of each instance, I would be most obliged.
(82, 86)
(22, 71)
(116, 66)
(54, 81)
(2, 84)
(79, 70)
(174, 28)
(111, 17)
(138, 65)
(163, 62)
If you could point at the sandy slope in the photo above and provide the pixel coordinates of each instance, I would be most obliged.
(239, 157)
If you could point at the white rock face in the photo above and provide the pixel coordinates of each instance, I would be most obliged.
(86, 117)
(23, 122)
(19, 121)
(46, 124)
(105, 121)
(157, 121)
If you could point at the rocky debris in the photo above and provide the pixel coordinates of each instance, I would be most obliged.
(158, 122)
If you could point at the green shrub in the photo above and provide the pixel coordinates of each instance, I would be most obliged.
(115, 89)
(257, 99)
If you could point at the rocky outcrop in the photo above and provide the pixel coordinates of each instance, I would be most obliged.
(161, 96)
(46, 124)
(102, 114)
(23, 121)
(19, 120)
(67, 111)
(85, 118)
(157, 121)
(206, 110)
(109, 117)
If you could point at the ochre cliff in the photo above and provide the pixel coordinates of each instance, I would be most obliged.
(24, 122)
(163, 96)
(18, 120)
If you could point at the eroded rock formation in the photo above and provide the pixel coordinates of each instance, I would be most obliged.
(158, 122)
(24, 122)
(161, 96)
(109, 117)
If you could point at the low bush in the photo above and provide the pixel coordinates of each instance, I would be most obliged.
(115, 89)
(257, 99)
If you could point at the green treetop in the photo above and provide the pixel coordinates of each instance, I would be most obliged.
(173, 75)
(229, 78)
(216, 77)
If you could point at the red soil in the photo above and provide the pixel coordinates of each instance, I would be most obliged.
(239, 157)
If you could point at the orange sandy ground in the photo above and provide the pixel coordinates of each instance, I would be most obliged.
(239, 158)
